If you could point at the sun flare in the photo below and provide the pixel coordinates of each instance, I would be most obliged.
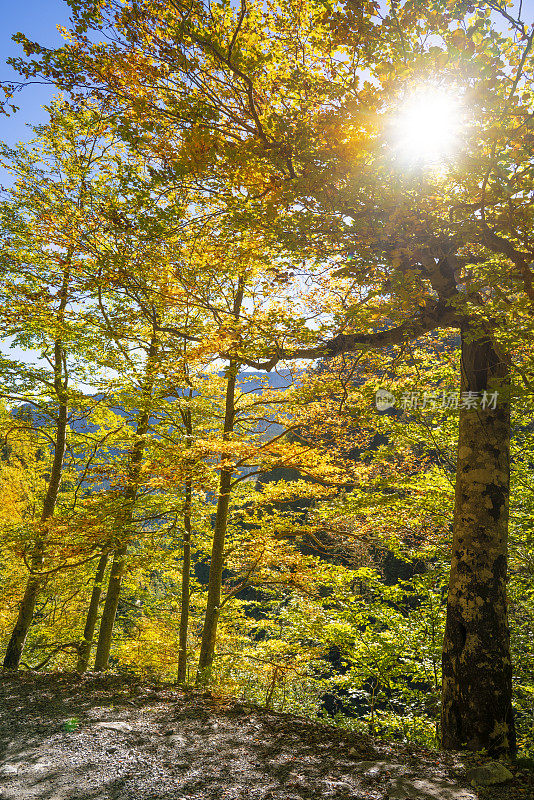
(427, 129)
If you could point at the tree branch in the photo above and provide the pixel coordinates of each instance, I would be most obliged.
(435, 314)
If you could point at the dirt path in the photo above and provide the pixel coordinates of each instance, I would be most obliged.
(63, 737)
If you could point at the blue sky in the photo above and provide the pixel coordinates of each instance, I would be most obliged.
(38, 20)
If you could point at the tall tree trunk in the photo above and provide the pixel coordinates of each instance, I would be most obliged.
(103, 647)
(118, 566)
(24, 619)
(209, 631)
(186, 576)
(477, 674)
(187, 420)
(84, 650)
(211, 618)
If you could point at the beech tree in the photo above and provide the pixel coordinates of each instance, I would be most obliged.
(41, 262)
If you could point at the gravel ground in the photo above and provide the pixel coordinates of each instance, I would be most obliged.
(64, 737)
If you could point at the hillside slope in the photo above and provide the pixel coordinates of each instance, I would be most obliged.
(66, 737)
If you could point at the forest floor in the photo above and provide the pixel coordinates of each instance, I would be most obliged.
(67, 737)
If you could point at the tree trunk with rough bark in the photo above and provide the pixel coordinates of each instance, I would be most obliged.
(24, 619)
(103, 647)
(211, 619)
(84, 650)
(118, 566)
(186, 576)
(477, 674)
(187, 420)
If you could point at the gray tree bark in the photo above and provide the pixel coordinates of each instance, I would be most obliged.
(118, 566)
(185, 596)
(477, 673)
(105, 633)
(211, 619)
(84, 650)
(187, 420)
(25, 614)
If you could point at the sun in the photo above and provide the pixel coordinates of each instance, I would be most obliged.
(427, 128)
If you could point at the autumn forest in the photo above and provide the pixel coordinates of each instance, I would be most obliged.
(267, 372)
